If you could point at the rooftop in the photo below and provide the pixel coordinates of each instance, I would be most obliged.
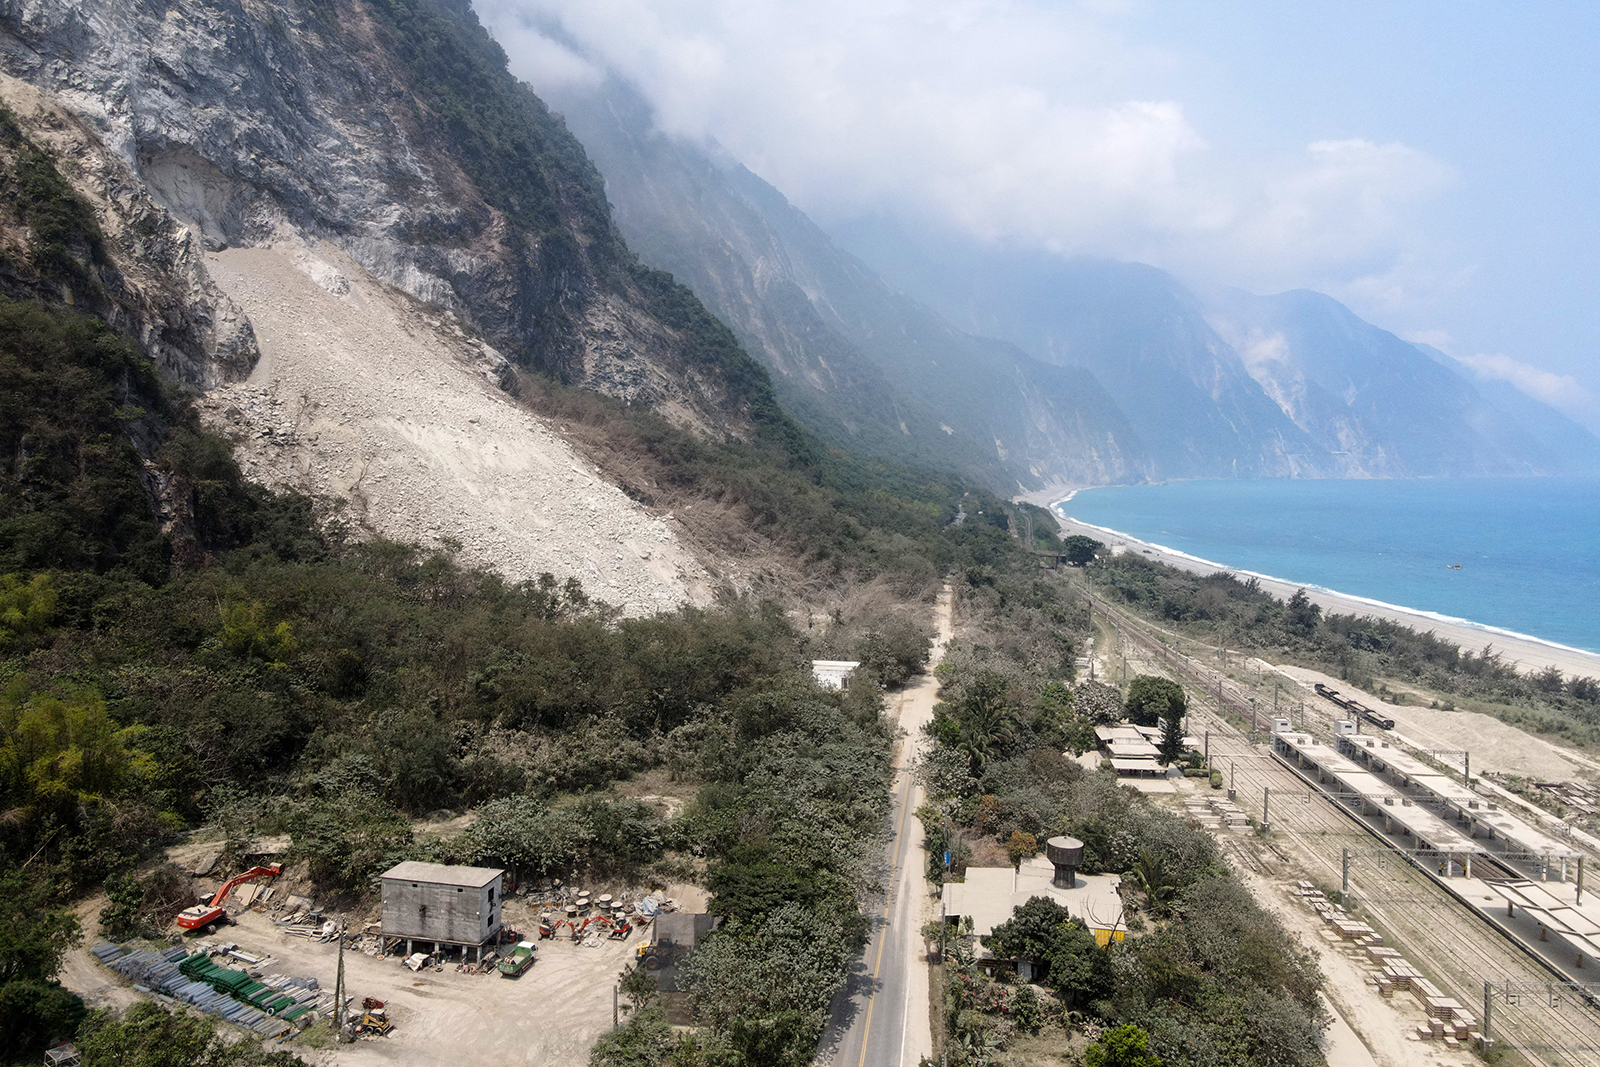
(1428, 829)
(441, 874)
(991, 894)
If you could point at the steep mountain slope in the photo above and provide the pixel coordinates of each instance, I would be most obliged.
(1377, 403)
(397, 183)
(1135, 328)
(859, 362)
(392, 129)
(1571, 446)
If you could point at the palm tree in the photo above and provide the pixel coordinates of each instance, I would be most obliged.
(1151, 877)
(983, 714)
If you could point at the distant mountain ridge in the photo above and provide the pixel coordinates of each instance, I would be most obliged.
(864, 365)
(1299, 385)
(1025, 369)
(1378, 404)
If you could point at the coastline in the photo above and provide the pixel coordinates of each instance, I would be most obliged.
(1530, 654)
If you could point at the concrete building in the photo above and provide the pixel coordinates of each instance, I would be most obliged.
(833, 673)
(445, 905)
(990, 896)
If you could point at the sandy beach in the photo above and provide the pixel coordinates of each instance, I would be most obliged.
(1526, 653)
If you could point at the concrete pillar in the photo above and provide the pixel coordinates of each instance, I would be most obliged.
(1563, 868)
(408, 946)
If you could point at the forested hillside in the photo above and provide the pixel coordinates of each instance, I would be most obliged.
(178, 645)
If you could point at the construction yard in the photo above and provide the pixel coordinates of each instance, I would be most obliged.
(443, 1013)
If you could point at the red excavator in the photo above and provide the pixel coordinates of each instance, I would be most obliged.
(203, 915)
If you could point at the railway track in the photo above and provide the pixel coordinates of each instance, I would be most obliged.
(1459, 949)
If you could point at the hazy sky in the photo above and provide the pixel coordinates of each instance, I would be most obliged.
(1433, 165)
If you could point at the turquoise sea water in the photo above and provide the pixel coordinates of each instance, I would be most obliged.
(1529, 548)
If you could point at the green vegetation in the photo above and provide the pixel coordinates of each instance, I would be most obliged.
(178, 646)
(1364, 650)
(147, 1035)
(64, 243)
(1204, 976)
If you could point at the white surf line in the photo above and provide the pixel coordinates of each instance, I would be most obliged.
(1383, 605)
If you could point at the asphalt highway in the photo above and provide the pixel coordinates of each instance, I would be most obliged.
(881, 1016)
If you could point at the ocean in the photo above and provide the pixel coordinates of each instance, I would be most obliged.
(1529, 548)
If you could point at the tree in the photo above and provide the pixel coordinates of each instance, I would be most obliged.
(147, 1035)
(1150, 697)
(638, 987)
(1151, 877)
(1125, 1046)
(1171, 746)
(768, 986)
(1081, 550)
(33, 934)
(524, 833)
(1304, 616)
(643, 1041)
(32, 1016)
(980, 711)
(1020, 846)
(1077, 968)
(1099, 703)
(26, 607)
(1057, 724)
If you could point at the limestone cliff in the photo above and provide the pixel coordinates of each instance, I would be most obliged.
(391, 129)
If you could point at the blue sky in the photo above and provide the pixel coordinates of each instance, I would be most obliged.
(1432, 165)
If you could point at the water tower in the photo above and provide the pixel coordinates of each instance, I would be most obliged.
(1067, 855)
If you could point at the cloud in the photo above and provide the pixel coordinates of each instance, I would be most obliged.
(1019, 120)
(1439, 339)
(1561, 391)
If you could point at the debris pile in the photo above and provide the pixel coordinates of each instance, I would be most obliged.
(1448, 1022)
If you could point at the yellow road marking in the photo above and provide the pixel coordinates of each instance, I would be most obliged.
(888, 903)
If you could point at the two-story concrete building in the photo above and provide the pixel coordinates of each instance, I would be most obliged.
(442, 904)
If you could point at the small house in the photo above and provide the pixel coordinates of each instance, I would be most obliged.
(441, 903)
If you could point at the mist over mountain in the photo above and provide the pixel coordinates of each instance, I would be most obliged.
(1290, 385)
(1379, 405)
(859, 362)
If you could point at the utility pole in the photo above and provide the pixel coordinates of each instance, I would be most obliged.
(1344, 882)
(338, 989)
(1208, 752)
(1266, 793)
(1466, 769)
(1488, 1005)
(1580, 880)
(1231, 791)
(1274, 698)
(616, 1020)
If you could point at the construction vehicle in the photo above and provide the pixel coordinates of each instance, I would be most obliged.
(374, 1021)
(520, 960)
(653, 955)
(205, 914)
